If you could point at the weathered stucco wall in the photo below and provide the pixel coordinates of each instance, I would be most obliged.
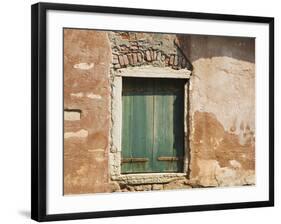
(222, 109)
(87, 58)
(221, 117)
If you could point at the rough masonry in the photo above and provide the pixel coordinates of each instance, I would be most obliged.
(221, 112)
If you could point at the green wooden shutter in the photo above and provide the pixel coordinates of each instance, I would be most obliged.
(168, 125)
(152, 125)
(137, 125)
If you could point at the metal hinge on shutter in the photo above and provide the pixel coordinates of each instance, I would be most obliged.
(134, 160)
(169, 158)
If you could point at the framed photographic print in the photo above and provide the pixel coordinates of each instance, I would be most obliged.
(139, 111)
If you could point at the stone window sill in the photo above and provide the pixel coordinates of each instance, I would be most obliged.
(148, 178)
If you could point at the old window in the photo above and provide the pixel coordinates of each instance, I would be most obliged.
(152, 125)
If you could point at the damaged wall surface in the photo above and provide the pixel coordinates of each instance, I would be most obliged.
(87, 56)
(221, 107)
(222, 138)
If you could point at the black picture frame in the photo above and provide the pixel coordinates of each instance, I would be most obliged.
(39, 122)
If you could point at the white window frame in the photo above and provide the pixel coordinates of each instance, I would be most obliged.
(115, 154)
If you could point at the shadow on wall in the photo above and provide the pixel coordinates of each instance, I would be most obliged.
(203, 46)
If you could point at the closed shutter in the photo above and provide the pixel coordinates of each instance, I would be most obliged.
(152, 125)
(168, 125)
(137, 125)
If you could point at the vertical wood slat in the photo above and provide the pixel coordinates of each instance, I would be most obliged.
(126, 146)
(137, 124)
(168, 125)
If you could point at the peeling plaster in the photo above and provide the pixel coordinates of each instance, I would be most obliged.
(89, 95)
(72, 115)
(223, 86)
(95, 150)
(94, 96)
(211, 174)
(235, 164)
(84, 66)
(79, 95)
(234, 103)
(79, 134)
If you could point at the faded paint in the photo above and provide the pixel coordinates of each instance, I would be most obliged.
(219, 107)
(87, 58)
(84, 66)
(222, 108)
(234, 103)
(222, 153)
(235, 164)
(79, 95)
(89, 95)
(94, 96)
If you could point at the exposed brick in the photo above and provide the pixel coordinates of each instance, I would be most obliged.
(158, 58)
(135, 59)
(154, 55)
(115, 60)
(140, 57)
(157, 187)
(134, 48)
(115, 56)
(147, 56)
(130, 58)
(146, 187)
(121, 60)
(171, 61)
(117, 66)
(176, 60)
(126, 61)
(124, 35)
(124, 48)
(151, 55)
